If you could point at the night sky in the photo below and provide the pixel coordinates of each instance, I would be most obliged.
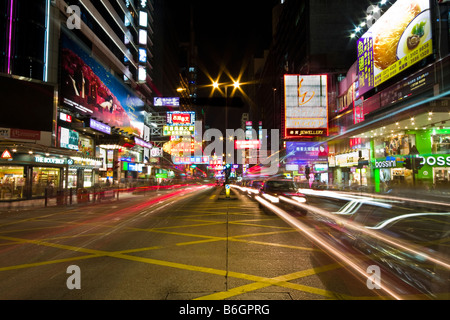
(227, 33)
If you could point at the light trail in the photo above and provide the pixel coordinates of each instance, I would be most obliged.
(313, 235)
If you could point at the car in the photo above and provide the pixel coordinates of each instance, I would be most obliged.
(284, 193)
(253, 186)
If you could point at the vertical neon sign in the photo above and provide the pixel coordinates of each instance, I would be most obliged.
(47, 34)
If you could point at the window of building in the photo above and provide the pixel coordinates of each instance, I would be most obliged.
(12, 182)
(441, 143)
(45, 178)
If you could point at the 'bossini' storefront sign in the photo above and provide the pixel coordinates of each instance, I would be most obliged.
(435, 160)
(432, 160)
(390, 162)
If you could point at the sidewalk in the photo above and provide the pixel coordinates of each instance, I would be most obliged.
(89, 198)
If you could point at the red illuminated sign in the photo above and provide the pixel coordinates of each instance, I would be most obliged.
(25, 134)
(65, 117)
(180, 118)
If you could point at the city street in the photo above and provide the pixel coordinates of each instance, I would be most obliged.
(174, 244)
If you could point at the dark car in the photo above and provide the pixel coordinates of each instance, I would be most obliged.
(284, 193)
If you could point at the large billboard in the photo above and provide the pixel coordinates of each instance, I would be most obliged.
(399, 39)
(88, 88)
(306, 105)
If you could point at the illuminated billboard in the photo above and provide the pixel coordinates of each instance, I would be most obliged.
(399, 39)
(302, 152)
(306, 105)
(181, 118)
(178, 130)
(68, 138)
(88, 88)
(166, 101)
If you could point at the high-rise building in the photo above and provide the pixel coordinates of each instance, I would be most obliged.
(78, 80)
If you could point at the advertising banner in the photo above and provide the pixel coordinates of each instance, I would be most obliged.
(178, 130)
(301, 152)
(68, 138)
(398, 40)
(306, 105)
(180, 118)
(87, 87)
(166, 101)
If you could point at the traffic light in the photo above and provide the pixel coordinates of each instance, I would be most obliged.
(417, 164)
(227, 172)
(407, 163)
(227, 169)
(307, 171)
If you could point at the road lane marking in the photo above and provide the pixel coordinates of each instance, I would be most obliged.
(43, 263)
(281, 281)
(260, 282)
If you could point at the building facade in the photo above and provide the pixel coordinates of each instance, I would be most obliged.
(78, 94)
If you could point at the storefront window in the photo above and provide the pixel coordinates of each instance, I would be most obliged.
(72, 178)
(441, 143)
(441, 176)
(87, 178)
(45, 178)
(12, 182)
(396, 145)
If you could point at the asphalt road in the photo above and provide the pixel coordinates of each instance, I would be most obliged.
(180, 244)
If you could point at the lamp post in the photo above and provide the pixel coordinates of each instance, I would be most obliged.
(236, 85)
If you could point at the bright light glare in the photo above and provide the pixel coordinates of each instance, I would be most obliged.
(317, 238)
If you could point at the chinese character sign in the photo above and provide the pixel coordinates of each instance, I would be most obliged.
(365, 64)
(306, 105)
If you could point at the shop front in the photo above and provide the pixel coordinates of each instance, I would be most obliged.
(83, 172)
(389, 172)
(435, 170)
(347, 173)
(28, 176)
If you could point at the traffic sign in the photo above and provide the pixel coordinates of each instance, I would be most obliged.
(6, 154)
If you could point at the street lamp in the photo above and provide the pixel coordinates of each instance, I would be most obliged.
(217, 85)
(236, 85)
